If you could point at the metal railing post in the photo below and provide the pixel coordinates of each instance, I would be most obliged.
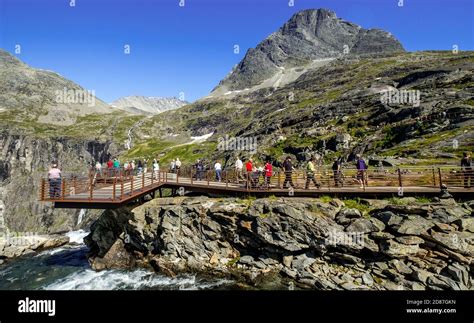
(440, 178)
(143, 181)
(434, 177)
(43, 185)
(121, 188)
(90, 188)
(400, 183)
(114, 189)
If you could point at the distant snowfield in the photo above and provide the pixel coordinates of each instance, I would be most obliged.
(282, 77)
(201, 138)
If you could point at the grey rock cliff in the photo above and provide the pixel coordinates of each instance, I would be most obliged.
(308, 35)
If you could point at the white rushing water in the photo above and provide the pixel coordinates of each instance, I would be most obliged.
(88, 279)
(77, 237)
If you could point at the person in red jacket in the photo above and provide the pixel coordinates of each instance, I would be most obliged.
(110, 165)
(249, 169)
(249, 166)
(268, 173)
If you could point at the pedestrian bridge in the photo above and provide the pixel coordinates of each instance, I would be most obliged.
(119, 187)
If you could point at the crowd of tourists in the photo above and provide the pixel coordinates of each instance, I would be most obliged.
(249, 171)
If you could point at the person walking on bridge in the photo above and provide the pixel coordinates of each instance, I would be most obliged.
(199, 170)
(54, 178)
(268, 173)
(310, 174)
(110, 165)
(337, 171)
(139, 167)
(156, 168)
(249, 169)
(466, 167)
(218, 169)
(116, 166)
(361, 166)
(177, 165)
(172, 166)
(288, 168)
(98, 168)
(238, 169)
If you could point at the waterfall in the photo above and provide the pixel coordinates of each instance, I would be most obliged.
(82, 212)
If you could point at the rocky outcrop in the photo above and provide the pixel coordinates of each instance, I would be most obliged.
(16, 245)
(306, 243)
(308, 35)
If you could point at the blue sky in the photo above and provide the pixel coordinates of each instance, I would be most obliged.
(189, 49)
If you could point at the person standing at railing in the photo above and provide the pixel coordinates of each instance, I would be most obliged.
(288, 168)
(218, 169)
(268, 173)
(238, 169)
(199, 170)
(110, 166)
(54, 178)
(177, 165)
(98, 169)
(156, 168)
(466, 167)
(172, 166)
(310, 174)
(145, 166)
(361, 166)
(337, 171)
(139, 167)
(249, 169)
(126, 168)
(132, 167)
(116, 166)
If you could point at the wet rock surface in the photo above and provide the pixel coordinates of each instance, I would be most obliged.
(300, 241)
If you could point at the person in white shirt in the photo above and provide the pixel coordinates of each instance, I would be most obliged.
(156, 168)
(239, 165)
(218, 169)
(98, 168)
(177, 165)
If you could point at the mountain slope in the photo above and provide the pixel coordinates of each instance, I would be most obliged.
(309, 35)
(42, 95)
(147, 105)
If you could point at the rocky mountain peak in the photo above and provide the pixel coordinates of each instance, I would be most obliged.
(308, 36)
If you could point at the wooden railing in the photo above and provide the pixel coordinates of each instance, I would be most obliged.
(122, 184)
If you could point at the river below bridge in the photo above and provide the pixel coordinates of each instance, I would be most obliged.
(67, 268)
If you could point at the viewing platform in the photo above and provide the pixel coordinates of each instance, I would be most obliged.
(115, 188)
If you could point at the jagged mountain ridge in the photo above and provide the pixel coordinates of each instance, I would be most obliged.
(147, 105)
(309, 35)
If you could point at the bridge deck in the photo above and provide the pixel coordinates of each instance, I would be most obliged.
(120, 188)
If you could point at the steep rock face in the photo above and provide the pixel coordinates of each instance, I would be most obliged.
(309, 35)
(309, 242)
(147, 105)
(23, 161)
(44, 94)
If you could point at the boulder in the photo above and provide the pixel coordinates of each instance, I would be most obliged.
(410, 240)
(394, 249)
(465, 224)
(364, 225)
(414, 225)
(388, 218)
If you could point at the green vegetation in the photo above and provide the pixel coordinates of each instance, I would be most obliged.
(357, 204)
(326, 198)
